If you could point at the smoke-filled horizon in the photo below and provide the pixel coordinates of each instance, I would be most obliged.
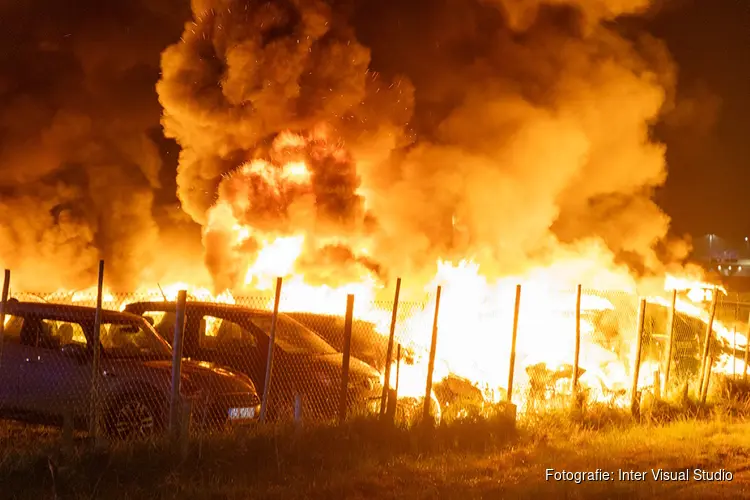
(82, 158)
(507, 132)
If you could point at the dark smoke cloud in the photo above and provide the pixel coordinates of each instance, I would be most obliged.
(79, 166)
(245, 72)
(530, 128)
(533, 134)
(504, 130)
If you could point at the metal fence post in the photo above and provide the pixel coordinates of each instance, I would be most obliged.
(183, 437)
(393, 394)
(747, 349)
(514, 335)
(343, 402)
(705, 368)
(670, 340)
(398, 375)
(269, 359)
(94, 404)
(734, 338)
(6, 291)
(634, 400)
(297, 409)
(704, 390)
(431, 362)
(175, 401)
(576, 358)
(389, 351)
(734, 353)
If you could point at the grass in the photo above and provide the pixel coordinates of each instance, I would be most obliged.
(367, 459)
(259, 457)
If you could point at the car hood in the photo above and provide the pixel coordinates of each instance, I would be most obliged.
(358, 369)
(208, 377)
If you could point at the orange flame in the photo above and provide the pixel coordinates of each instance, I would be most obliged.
(476, 314)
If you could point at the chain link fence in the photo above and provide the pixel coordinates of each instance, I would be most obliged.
(540, 351)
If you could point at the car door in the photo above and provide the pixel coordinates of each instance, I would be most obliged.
(52, 380)
(11, 362)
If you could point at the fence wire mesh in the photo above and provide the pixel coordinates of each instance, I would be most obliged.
(48, 376)
(46, 370)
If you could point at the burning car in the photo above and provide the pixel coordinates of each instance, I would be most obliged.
(611, 333)
(239, 337)
(366, 343)
(454, 396)
(46, 373)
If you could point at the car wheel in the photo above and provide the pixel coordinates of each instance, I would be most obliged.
(134, 418)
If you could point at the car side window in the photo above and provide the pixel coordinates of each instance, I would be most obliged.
(163, 323)
(218, 332)
(56, 334)
(12, 330)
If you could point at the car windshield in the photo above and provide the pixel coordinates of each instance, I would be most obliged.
(292, 337)
(126, 339)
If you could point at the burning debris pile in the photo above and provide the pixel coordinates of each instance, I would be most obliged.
(335, 147)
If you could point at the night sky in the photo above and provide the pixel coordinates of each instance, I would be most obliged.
(709, 159)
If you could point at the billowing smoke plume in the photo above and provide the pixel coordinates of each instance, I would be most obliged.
(534, 137)
(511, 132)
(80, 155)
(529, 130)
(246, 72)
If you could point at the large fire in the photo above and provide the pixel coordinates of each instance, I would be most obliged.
(476, 314)
(495, 144)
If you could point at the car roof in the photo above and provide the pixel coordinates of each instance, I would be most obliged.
(222, 308)
(171, 305)
(61, 312)
(190, 304)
